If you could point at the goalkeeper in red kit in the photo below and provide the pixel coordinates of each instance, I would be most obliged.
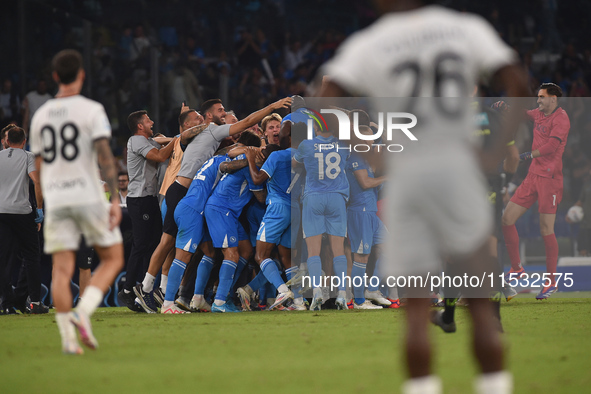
(543, 183)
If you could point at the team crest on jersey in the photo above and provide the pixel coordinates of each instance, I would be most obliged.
(146, 216)
(355, 164)
(232, 239)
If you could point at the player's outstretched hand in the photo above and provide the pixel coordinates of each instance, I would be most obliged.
(283, 103)
(114, 215)
(525, 156)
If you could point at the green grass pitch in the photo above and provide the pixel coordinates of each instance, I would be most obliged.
(549, 349)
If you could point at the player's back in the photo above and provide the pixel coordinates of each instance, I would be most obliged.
(63, 132)
(204, 182)
(233, 191)
(278, 167)
(324, 160)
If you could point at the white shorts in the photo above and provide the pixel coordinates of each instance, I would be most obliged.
(435, 208)
(63, 227)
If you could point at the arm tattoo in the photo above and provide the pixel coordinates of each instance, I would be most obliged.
(107, 164)
(189, 134)
(233, 166)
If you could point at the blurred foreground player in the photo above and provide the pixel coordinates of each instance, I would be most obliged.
(437, 195)
(69, 135)
(543, 183)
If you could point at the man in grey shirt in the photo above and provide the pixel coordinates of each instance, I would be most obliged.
(17, 221)
(143, 156)
(198, 151)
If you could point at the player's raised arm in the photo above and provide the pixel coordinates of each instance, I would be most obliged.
(257, 116)
(160, 155)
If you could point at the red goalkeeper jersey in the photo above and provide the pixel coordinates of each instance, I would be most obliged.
(556, 125)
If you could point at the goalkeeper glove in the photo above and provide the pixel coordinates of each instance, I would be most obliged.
(525, 156)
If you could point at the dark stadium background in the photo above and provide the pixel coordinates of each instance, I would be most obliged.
(201, 41)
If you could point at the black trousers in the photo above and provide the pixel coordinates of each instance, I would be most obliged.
(146, 225)
(19, 238)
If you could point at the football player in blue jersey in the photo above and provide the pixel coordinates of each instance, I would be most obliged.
(192, 229)
(324, 211)
(275, 228)
(364, 229)
(222, 210)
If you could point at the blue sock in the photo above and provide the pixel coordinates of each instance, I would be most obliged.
(290, 273)
(226, 278)
(175, 275)
(357, 272)
(373, 284)
(269, 268)
(270, 291)
(203, 272)
(315, 270)
(258, 281)
(241, 264)
(339, 264)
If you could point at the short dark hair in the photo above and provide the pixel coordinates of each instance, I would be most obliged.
(123, 173)
(15, 135)
(134, 119)
(249, 138)
(552, 89)
(66, 64)
(183, 116)
(206, 106)
(267, 150)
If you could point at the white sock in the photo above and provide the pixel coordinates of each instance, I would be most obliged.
(163, 282)
(299, 301)
(343, 294)
(92, 298)
(430, 384)
(494, 383)
(65, 327)
(197, 297)
(283, 288)
(148, 283)
(219, 302)
(317, 292)
(248, 290)
(166, 304)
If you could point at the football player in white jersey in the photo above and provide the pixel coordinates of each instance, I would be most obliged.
(437, 196)
(69, 135)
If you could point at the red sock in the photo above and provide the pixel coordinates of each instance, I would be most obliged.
(551, 246)
(512, 242)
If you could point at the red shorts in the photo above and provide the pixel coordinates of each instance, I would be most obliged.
(547, 191)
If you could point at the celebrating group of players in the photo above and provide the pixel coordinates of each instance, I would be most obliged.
(267, 183)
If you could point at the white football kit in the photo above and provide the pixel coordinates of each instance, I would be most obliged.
(63, 132)
(436, 197)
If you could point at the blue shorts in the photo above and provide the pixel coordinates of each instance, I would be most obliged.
(192, 228)
(364, 229)
(324, 213)
(224, 228)
(276, 225)
(254, 214)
